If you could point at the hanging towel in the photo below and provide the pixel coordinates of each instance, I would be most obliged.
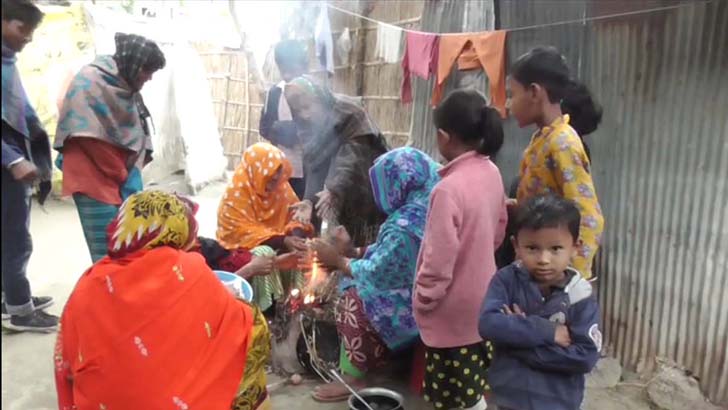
(420, 58)
(389, 39)
(343, 45)
(475, 51)
(323, 39)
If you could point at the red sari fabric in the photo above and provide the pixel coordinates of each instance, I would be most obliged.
(154, 329)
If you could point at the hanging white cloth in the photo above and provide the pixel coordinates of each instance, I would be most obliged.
(343, 45)
(324, 40)
(293, 154)
(389, 42)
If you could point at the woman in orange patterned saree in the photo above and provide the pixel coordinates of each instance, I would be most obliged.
(150, 326)
(256, 207)
(255, 214)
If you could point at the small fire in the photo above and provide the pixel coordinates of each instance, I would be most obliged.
(307, 294)
(314, 279)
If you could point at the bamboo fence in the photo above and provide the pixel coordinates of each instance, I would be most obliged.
(238, 94)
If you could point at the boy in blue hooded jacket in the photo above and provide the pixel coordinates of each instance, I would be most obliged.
(541, 315)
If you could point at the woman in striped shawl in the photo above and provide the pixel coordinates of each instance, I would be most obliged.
(103, 134)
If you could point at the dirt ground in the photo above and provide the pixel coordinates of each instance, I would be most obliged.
(61, 256)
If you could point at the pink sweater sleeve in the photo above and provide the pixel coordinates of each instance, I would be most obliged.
(439, 251)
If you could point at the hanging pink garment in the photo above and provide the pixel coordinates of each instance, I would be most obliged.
(420, 58)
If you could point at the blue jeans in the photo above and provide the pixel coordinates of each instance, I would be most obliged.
(16, 245)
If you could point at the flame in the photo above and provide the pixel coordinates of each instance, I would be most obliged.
(314, 278)
(314, 272)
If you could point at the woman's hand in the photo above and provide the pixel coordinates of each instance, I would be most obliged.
(325, 205)
(511, 203)
(302, 212)
(295, 244)
(289, 261)
(328, 256)
(342, 239)
(258, 266)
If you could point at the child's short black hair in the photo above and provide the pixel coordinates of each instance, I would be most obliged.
(465, 113)
(290, 53)
(548, 211)
(23, 10)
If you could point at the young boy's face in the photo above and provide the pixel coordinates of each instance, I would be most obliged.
(17, 34)
(546, 252)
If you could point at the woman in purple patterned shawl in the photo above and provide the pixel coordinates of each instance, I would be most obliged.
(374, 314)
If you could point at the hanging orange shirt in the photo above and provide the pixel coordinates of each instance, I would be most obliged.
(474, 51)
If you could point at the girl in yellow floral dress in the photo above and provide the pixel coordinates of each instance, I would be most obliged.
(557, 161)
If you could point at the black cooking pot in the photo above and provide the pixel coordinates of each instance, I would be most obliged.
(328, 345)
(377, 398)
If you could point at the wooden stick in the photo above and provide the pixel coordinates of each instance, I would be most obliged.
(247, 100)
(227, 91)
(374, 27)
(236, 103)
(242, 129)
(224, 76)
(354, 65)
(396, 133)
(381, 97)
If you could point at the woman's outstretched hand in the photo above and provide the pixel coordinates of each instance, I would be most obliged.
(343, 241)
(289, 261)
(330, 257)
(325, 205)
(302, 212)
(258, 266)
(295, 244)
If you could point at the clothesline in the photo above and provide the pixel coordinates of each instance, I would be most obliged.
(427, 54)
(558, 23)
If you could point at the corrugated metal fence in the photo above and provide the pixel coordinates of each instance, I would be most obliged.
(660, 161)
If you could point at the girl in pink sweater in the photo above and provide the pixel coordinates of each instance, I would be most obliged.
(465, 224)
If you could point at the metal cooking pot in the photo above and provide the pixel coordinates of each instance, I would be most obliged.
(380, 398)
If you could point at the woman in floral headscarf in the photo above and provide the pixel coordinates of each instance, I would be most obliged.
(103, 134)
(150, 326)
(374, 314)
(255, 214)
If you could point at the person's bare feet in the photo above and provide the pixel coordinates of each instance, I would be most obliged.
(336, 391)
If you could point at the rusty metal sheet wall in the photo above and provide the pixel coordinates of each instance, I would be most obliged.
(660, 163)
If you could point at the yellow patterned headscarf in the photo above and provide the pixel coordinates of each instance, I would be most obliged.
(150, 219)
